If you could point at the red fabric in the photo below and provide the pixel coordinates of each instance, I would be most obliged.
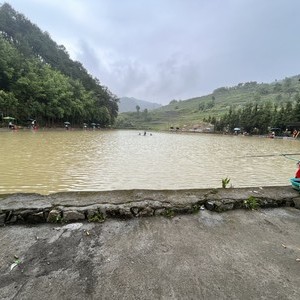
(298, 173)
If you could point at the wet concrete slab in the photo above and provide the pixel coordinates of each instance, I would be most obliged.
(238, 254)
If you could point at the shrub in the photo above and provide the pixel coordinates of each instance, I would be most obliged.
(251, 203)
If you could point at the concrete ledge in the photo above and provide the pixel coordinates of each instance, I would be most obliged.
(98, 206)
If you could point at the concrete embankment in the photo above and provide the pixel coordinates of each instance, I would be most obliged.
(196, 253)
(98, 206)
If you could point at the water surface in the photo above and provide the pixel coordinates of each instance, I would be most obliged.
(53, 161)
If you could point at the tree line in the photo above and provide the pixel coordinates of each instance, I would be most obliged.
(38, 79)
(255, 118)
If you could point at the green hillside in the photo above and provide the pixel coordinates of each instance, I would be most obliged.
(38, 80)
(213, 107)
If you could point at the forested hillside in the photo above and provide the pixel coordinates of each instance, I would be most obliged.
(254, 107)
(39, 80)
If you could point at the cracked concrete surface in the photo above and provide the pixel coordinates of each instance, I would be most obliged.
(238, 254)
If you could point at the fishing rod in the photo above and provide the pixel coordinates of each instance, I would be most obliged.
(291, 158)
(266, 155)
(285, 155)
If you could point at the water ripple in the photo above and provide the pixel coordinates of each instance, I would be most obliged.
(52, 161)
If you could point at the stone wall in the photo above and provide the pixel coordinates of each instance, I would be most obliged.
(99, 206)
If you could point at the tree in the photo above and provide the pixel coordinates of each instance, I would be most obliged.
(103, 117)
(296, 113)
(137, 109)
(146, 115)
(210, 104)
(277, 87)
(201, 106)
(46, 82)
(8, 103)
(173, 101)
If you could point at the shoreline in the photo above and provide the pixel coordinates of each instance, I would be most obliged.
(65, 207)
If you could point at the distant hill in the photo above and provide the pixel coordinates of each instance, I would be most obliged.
(129, 104)
(247, 102)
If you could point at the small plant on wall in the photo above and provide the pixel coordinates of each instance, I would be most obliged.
(97, 217)
(225, 182)
(169, 213)
(251, 203)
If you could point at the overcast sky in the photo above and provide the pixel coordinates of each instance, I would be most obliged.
(159, 50)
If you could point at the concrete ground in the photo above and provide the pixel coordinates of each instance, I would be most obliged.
(238, 254)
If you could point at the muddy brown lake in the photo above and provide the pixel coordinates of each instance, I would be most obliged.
(46, 161)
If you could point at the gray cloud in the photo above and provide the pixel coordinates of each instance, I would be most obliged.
(173, 49)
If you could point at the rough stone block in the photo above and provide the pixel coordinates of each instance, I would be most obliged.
(91, 213)
(297, 202)
(160, 211)
(210, 205)
(53, 216)
(36, 218)
(73, 215)
(2, 219)
(146, 212)
(135, 211)
(125, 212)
(183, 209)
(224, 207)
(12, 219)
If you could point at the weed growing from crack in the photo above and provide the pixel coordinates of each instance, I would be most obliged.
(195, 208)
(251, 203)
(59, 219)
(97, 218)
(169, 213)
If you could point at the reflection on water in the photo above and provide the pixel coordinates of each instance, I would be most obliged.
(52, 161)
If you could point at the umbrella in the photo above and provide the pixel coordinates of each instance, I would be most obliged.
(275, 129)
(236, 129)
(93, 124)
(8, 118)
(67, 123)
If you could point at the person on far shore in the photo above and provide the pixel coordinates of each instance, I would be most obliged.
(33, 124)
(11, 125)
(295, 133)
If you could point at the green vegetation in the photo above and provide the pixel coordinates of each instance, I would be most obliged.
(97, 218)
(225, 182)
(38, 80)
(169, 213)
(251, 203)
(195, 208)
(253, 107)
(59, 219)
